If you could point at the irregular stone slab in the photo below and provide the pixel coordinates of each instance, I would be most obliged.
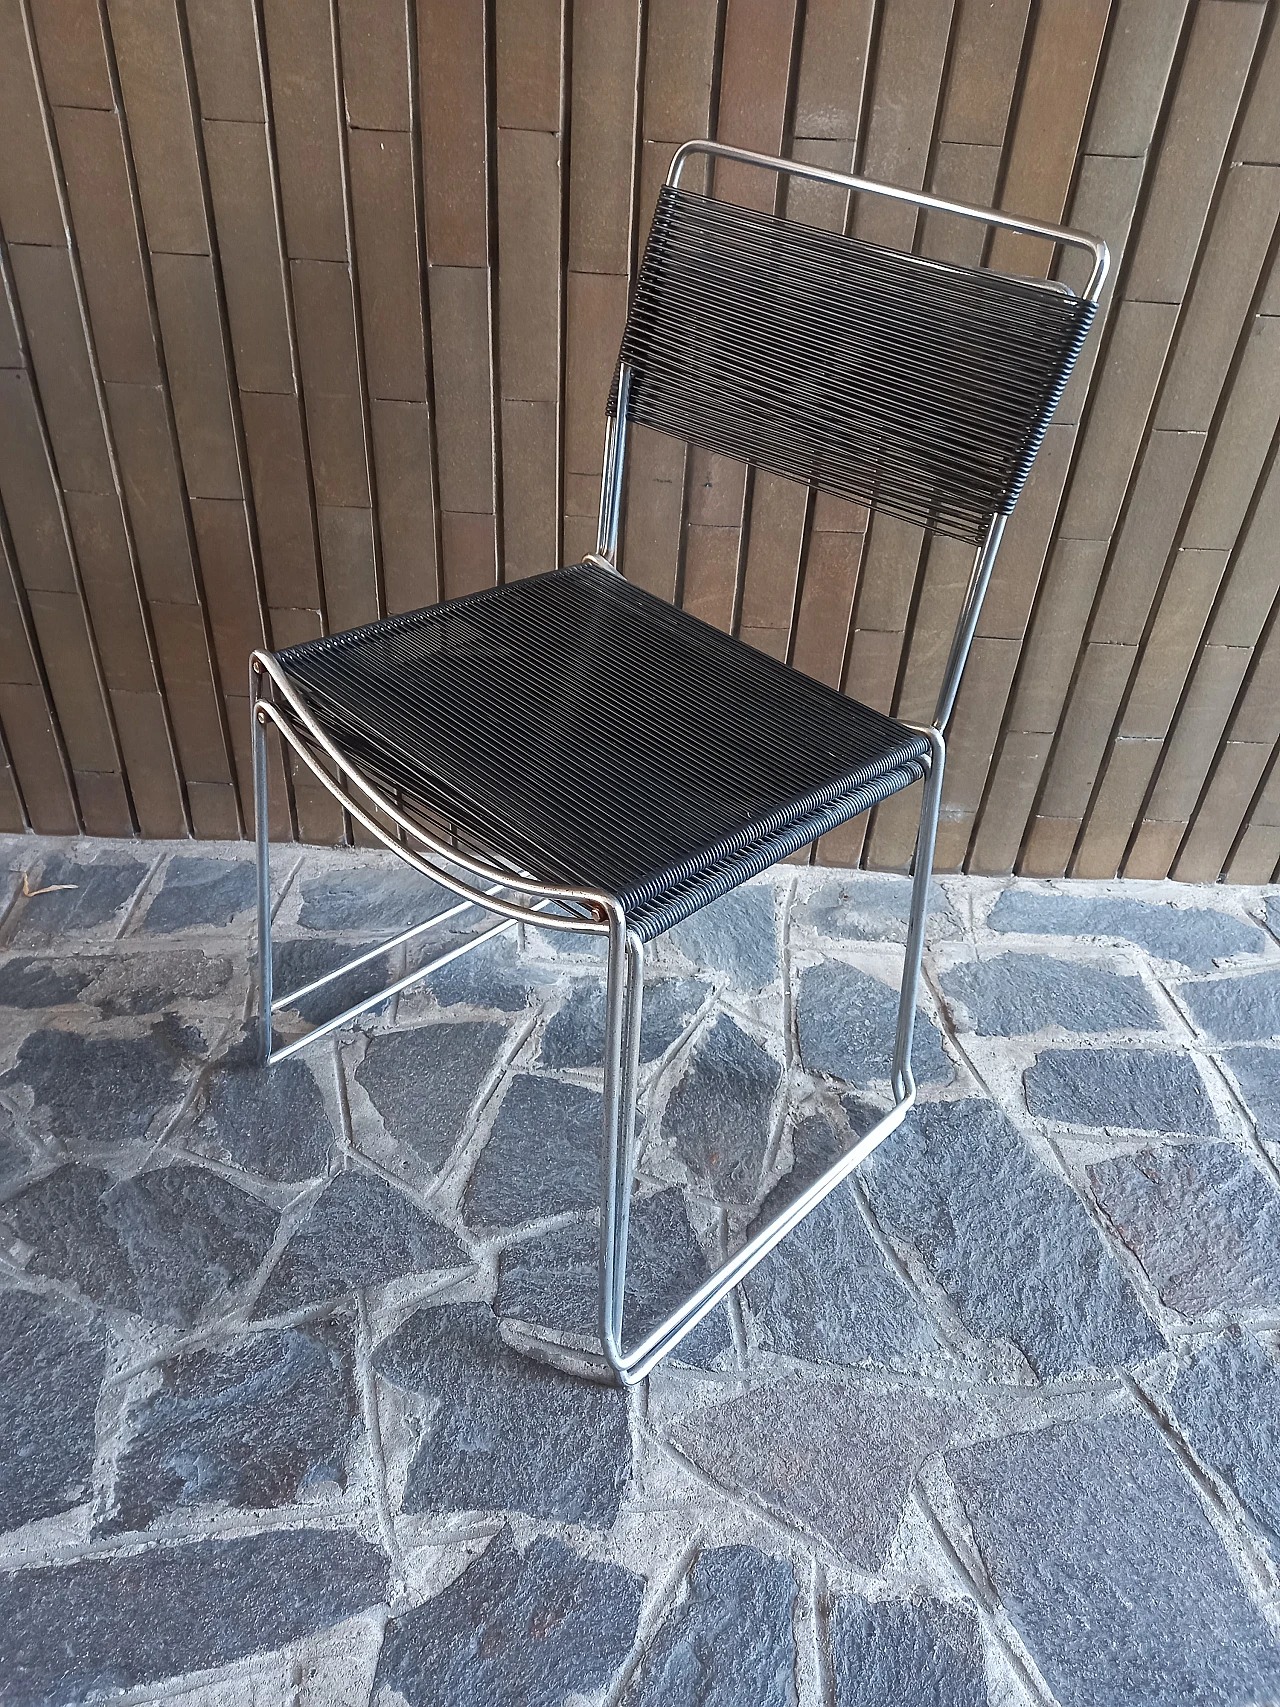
(202, 892)
(103, 1090)
(94, 905)
(510, 1434)
(736, 935)
(271, 1121)
(167, 1244)
(791, 1448)
(1204, 1222)
(907, 1653)
(112, 1623)
(554, 1282)
(423, 1081)
(859, 907)
(729, 1640)
(1273, 913)
(253, 1427)
(359, 1232)
(1257, 1072)
(826, 1293)
(150, 983)
(846, 1022)
(1110, 1569)
(1133, 1089)
(383, 898)
(575, 1035)
(719, 1118)
(29, 983)
(491, 977)
(1013, 994)
(1194, 936)
(1227, 1404)
(1008, 1240)
(542, 1158)
(298, 961)
(51, 1367)
(15, 1155)
(514, 1630)
(1236, 1010)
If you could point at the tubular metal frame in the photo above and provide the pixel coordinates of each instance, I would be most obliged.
(274, 703)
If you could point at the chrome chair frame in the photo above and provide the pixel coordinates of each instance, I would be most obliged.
(518, 898)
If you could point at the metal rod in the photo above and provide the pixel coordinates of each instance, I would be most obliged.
(904, 1084)
(262, 846)
(370, 954)
(917, 198)
(967, 624)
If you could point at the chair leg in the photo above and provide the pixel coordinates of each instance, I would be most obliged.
(904, 1083)
(262, 841)
(624, 1000)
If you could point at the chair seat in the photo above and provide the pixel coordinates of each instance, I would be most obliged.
(576, 729)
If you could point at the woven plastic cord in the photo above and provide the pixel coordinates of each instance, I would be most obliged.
(918, 388)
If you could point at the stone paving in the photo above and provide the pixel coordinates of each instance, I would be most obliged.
(999, 1424)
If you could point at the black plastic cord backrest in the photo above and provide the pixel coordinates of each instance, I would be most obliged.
(912, 386)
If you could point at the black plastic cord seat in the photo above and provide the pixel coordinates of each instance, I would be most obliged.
(577, 729)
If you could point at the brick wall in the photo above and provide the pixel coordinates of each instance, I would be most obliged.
(309, 310)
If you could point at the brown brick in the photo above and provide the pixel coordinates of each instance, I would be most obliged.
(1227, 799)
(470, 553)
(27, 488)
(1170, 646)
(1212, 77)
(1259, 137)
(826, 604)
(891, 837)
(1257, 857)
(464, 404)
(230, 592)
(1251, 585)
(834, 54)
(406, 515)
(716, 489)
(774, 543)
(192, 332)
(579, 537)
(17, 662)
(110, 590)
(65, 647)
(527, 56)
(1203, 717)
(1007, 606)
(279, 818)
(1041, 158)
(1115, 808)
(375, 63)
(161, 128)
(1239, 449)
(224, 47)
(597, 312)
(63, 374)
(282, 497)
(842, 847)
(963, 172)
(183, 649)
(872, 673)
(754, 73)
(1131, 85)
(975, 724)
(387, 247)
(889, 569)
(12, 817)
(1048, 846)
(945, 576)
(104, 805)
(304, 105)
(810, 201)
(1103, 204)
(985, 50)
(1113, 431)
(153, 489)
(451, 55)
(28, 732)
(529, 265)
(347, 556)
(249, 247)
(73, 58)
(1067, 592)
(331, 377)
(28, 194)
(710, 573)
(605, 44)
(838, 515)
(654, 502)
(10, 343)
(1150, 527)
(529, 520)
(1219, 305)
(1257, 716)
(107, 240)
(1155, 847)
(1086, 729)
(148, 759)
(907, 79)
(1018, 768)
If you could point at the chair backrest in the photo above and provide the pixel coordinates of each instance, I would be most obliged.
(912, 386)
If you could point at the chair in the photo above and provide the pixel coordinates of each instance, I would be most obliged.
(571, 752)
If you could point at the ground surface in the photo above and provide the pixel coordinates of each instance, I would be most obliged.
(1000, 1424)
